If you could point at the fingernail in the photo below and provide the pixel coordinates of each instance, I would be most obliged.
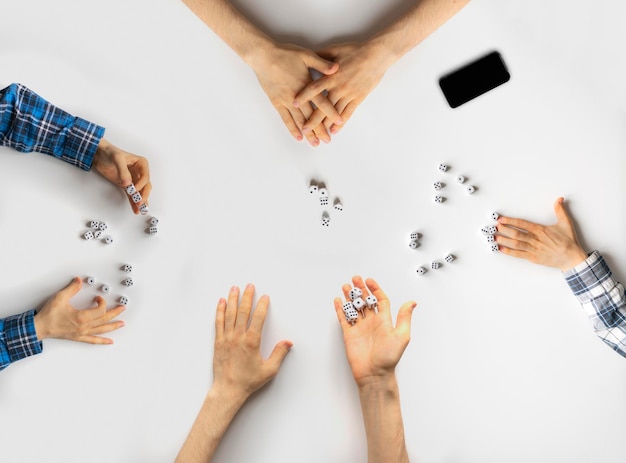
(233, 289)
(296, 104)
(305, 129)
(249, 286)
(333, 129)
(338, 122)
(299, 137)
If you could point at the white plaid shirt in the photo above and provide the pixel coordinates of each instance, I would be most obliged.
(602, 298)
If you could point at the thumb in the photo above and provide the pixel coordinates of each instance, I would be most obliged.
(278, 355)
(403, 322)
(123, 174)
(561, 213)
(324, 66)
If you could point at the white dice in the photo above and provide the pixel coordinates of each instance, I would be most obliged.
(131, 190)
(449, 258)
(108, 240)
(358, 304)
(442, 167)
(94, 224)
(355, 293)
(128, 282)
(91, 281)
(372, 303)
(337, 205)
(421, 271)
(350, 312)
(434, 265)
(438, 186)
(88, 235)
(439, 199)
(105, 288)
(460, 179)
(127, 268)
(495, 216)
(470, 189)
(136, 197)
(143, 209)
(103, 226)
(152, 231)
(154, 221)
(123, 300)
(490, 239)
(323, 200)
(323, 192)
(494, 247)
(413, 244)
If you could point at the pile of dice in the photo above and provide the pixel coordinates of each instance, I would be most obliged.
(356, 304)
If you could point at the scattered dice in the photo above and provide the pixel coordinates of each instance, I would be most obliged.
(421, 271)
(91, 281)
(88, 235)
(136, 197)
(460, 179)
(414, 236)
(151, 231)
(128, 282)
(495, 216)
(372, 303)
(438, 199)
(323, 191)
(325, 219)
(338, 205)
(123, 300)
(490, 239)
(438, 186)
(323, 200)
(470, 189)
(355, 293)
(413, 244)
(434, 265)
(154, 221)
(143, 209)
(449, 258)
(131, 190)
(108, 240)
(94, 224)
(491, 230)
(127, 268)
(313, 189)
(494, 247)
(105, 288)
(97, 234)
(443, 167)
(103, 226)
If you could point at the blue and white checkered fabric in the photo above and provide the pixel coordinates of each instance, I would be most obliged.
(18, 338)
(30, 123)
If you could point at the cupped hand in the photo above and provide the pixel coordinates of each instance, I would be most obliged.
(373, 345)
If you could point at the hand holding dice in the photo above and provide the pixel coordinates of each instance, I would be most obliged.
(125, 169)
(373, 345)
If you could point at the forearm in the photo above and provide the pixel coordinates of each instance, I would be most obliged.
(18, 338)
(422, 19)
(217, 412)
(232, 27)
(382, 416)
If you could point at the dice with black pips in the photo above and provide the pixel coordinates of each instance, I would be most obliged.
(350, 312)
(495, 216)
(494, 247)
(470, 189)
(143, 209)
(439, 199)
(123, 300)
(131, 190)
(105, 288)
(443, 167)
(438, 185)
(136, 197)
(460, 179)
(355, 293)
(127, 268)
(434, 265)
(413, 244)
(151, 230)
(421, 271)
(108, 239)
(90, 280)
(128, 282)
(154, 221)
(88, 235)
(94, 224)
(372, 303)
(449, 258)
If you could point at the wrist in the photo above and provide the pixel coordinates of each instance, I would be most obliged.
(41, 328)
(574, 257)
(258, 54)
(378, 384)
(228, 395)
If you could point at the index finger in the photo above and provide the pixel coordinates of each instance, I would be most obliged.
(522, 224)
(311, 90)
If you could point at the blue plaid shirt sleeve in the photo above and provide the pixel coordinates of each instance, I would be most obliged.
(602, 298)
(18, 338)
(30, 123)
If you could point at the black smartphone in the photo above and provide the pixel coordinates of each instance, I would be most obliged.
(473, 79)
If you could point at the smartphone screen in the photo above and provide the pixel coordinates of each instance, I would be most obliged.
(474, 79)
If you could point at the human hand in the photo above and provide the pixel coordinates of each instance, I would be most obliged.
(360, 70)
(282, 72)
(373, 345)
(59, 319)
(122, 168)
(238, 367)
(551, 245)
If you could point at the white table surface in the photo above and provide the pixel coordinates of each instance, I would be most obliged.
(503, 365)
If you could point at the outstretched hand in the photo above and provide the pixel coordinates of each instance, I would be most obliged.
(551, 245)
(122, 168)
(373, 345)
(59, 319)
(238, 366)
